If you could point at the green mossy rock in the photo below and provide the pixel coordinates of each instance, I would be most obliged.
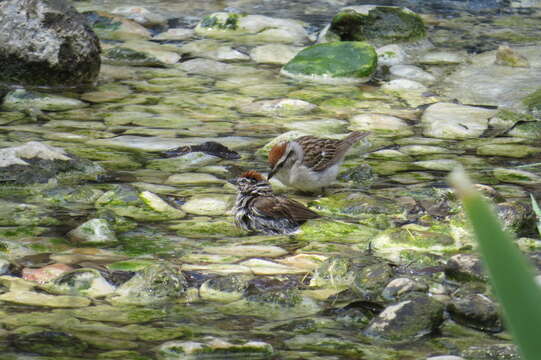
(351, 60)
(377, 24)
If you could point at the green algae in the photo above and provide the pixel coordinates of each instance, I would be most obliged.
(230, 23)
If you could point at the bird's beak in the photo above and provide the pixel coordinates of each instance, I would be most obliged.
(271, 174)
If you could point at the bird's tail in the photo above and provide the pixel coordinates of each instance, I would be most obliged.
(355, 137)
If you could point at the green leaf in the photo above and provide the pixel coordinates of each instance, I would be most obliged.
(537, 212)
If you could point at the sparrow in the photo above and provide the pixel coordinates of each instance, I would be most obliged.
(259, 209)
(309, 163)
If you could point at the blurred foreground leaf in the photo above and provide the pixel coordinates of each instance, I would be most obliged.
(510, 273)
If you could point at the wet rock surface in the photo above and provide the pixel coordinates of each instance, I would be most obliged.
(67, 52)
(130, 254)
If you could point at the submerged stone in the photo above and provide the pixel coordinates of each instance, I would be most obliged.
(418, 316)
(37, 299)
(93, 232)
(208, 205)
(334, 62)
(224, 289)
(281, 107)
(112, 27)
(250, 28)
(516, 176)
(377, 24)
(216, 348)
(383, 125)
(25, 100)
(154, 284)
(120, 55)
(274, 53)
(141, 15)
(116, 314)
(144, 206)
(83, 282)
(50, 343)
(476, 311)
(454, 121)
(203, 227)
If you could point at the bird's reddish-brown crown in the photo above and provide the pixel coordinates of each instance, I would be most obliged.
(252, 174)
(276, 153)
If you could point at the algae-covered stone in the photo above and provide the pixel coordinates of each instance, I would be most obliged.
(334, 62)
(154, 284)
(120, 55)
(465, 267)
(250, 28)
(37, 299)
(508, 150)
(203, 227)
(476, 311)
(383, 125)
(50, 343)
(145, 206)
(407, 320)
(214, 347)
(224, 289)
(21, 214)
(274, 53)
(187, 162)
(84, 282)
(25, 100)
(529, 130)
(194, 179)
(325, 230)
(455, 121)
(117, 314)
(278, 107)
(208, 205)
(516, 176)
(93, 232)
(112, 27)
(377, 24)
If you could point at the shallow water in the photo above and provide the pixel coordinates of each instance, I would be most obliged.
(179, 107)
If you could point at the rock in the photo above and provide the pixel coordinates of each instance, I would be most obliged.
(224, 289)
(208, 205)
(46, 273)
(515, 176)
(445, 357)
(418, 316)
(141, 16)
(81, 282)
(121, 55)
(4, 266)
(155, 284)
(441, 58)
(336, 62)
(508, 150)
(274, 53)
(528, 130)
(50, 343)
(515, 217)
(111, 27)
(214, 68)
(213, 49)
(278, 107)
(196, 179)
(35, 162)
(143, 206)
(383, 125)
(508, 57)
(24, 100)
(454, 121)
(411, 72)
(121, 315)
(379, 25)
(484, 83)
(465, 267)
(250, 28)
(205, 227)
(404, 85)
(66, 52)
(93, 232)
(399, 287)
(265, 267)
(214, 347)
(391, 54)
(476, 311)
(38, 299)
(491, 352)
(320, 128)
(175, 35)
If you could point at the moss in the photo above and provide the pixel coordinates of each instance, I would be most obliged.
(325, 230)
(137, 243)
(129, 265)
(382, 24)
(206, 228)
(533, 101)
(336, 59)
(230, 23)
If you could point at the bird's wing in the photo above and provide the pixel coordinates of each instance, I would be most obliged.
(318, 153)
(282, 207)
(322, 153)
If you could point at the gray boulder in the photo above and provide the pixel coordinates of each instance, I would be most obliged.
(46, 43)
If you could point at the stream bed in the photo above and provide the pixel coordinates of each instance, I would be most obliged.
(125, 253)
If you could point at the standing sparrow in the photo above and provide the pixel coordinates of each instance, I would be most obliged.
(259, 209)
(309, 163)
